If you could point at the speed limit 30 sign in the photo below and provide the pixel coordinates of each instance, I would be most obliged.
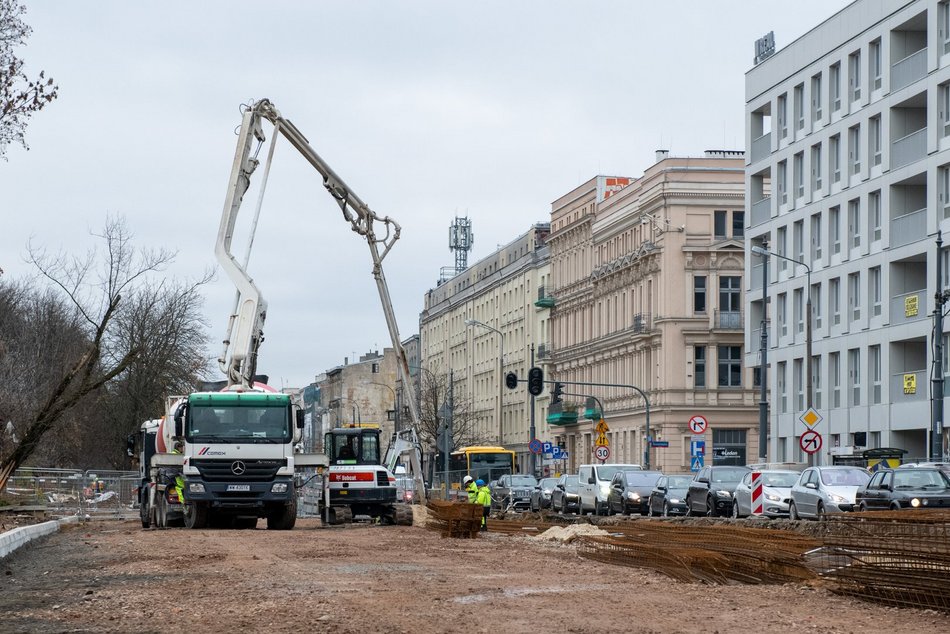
(602, 453)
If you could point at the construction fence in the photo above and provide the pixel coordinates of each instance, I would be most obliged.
(86, 493)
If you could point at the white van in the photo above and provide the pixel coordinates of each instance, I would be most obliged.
(593, 484)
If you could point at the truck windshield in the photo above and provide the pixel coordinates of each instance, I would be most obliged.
(226, 424)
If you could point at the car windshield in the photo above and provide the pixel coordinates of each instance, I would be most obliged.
(919, 479)
(679, 482)
(728, 475)
(548, 483)
(642, 478)
(845, 477)
(786, 480)
(609, 471)
(570, 483)
(523, 481)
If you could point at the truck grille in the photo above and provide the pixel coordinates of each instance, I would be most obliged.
(228, 470)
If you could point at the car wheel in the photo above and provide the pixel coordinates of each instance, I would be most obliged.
(735, 510)
(863, 507)
(689, 507)
(564, 505)
(895, 506)
(710, 507)
(793, 511)
(666, 509)
(820, 511)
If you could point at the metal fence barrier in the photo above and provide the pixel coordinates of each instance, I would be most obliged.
(90, 493)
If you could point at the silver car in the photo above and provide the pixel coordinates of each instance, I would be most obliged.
(776, 492)
(822, 490)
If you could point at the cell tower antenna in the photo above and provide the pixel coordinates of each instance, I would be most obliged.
(461, 240)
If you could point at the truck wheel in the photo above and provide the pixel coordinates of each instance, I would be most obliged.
(402, 515)
(196, 515)
(284, 518)
(143, 510)
(161, 512)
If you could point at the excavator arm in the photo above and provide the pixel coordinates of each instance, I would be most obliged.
(245, 327)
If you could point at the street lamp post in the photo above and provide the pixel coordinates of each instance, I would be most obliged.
(765, 253)
(395, 404)
(501, 367)
(359, 412)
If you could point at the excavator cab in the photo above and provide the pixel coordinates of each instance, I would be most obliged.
(352, 446)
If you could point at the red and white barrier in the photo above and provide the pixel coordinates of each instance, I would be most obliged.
(757, 493)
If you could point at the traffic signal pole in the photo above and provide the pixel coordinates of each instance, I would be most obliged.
(532, 431)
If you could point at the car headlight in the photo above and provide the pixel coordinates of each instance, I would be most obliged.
(279, 487)
(837, 499)
(771, 497)
(724, 494)
(633, 495)
(915, 502)
(604, 489)
(674, 500)
(196, 487)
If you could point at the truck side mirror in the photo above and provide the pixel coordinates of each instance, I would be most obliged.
(301, 420)
(130, 445)
(180, 419)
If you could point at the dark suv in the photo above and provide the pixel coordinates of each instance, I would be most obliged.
(711, 491)
(513, 491)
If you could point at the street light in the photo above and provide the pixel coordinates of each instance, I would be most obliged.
(765, 253)
(501, 366)
(395, 404)
(339, 405)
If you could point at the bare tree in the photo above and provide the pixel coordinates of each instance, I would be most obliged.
(92, 287)
(20, 97)
(433, 396)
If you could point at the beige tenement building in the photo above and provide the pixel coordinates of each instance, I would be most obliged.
(647, 277)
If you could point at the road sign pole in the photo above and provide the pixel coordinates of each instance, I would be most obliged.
(532, 431)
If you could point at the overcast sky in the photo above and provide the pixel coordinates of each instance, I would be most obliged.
(426, 109)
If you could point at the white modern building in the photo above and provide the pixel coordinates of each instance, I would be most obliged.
(848, 172)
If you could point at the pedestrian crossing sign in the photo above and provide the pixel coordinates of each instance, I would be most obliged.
(696, 463)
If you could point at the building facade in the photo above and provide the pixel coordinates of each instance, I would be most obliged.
(848, 175)
(481, 324)
(647, 278)
(361, 392)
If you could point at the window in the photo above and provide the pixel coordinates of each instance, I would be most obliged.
(816, 303)
(816, 237)
(730, 366)
(943, 25)
(816, 98)
(780, 379)
(874, 59)
(782, 115)
(781, 240)
(798, 310)
(834, 228)
(800, 107)
(782, 315)
(699, 294)
(816, 381)
(874, 139)
(782, 177)
(874, 290)
(816, 168)
(854, 75)
(854, 149)
(874, 371)
(854, 376)
(854, 222)
(798, 237)
(375, 368)
(944, 186)
(943, 95)
(834, 370)
(854, 296)
(699, 369)
(797, 382)
(719, 223)
(738, 224)
(834, 88)
(834, 298)
(874, 215)
(799, 175)
(729, 301)
(834, 158)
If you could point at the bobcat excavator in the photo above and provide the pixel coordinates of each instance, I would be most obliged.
(245, 328)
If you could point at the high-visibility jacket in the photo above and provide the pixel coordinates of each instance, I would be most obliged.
(484, 496)
(472, 492)
(180, 488)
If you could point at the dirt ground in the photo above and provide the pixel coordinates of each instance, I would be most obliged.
(112, 576)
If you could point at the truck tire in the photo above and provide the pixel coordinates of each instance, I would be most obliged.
(402, 515)
(161, 512)
(284, 518)
(196, 515)
(144, 510)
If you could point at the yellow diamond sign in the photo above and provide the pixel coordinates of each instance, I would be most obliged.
(810, 418)
(601, 427)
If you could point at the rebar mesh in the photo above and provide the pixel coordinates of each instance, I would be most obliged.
(454, 519)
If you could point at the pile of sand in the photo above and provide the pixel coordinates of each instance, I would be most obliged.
(420, 515)
(566, 534)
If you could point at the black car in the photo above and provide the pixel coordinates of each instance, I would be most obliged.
(669, 495)
(710, 493)
(513, 491)
(896, 489)
(630, 490)
(565, 497)
(541, 496)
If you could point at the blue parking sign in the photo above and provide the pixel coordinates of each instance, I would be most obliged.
(546, 447)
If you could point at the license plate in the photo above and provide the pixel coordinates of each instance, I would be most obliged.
(239, 487)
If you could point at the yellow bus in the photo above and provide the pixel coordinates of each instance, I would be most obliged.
(485, 463)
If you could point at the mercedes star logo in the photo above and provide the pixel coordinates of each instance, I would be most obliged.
(238, 468)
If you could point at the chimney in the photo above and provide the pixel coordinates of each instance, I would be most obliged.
(662, 154)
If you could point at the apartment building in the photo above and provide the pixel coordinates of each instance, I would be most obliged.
(647, 277)
(848, 172)
(481, 324)
(360, 392)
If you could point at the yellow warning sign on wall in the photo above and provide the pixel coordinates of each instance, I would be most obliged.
(910, 384)
(910, 305)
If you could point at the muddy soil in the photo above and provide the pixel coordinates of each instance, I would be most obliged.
(115, 577)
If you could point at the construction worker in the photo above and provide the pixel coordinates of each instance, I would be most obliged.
(484, 498)
(470, 488)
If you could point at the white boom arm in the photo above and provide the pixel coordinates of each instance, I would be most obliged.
(245, 328)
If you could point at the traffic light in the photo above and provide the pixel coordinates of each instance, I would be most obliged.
(556, 392)
(535, 381)
(511, 380)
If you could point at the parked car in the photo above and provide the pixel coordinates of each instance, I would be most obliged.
(630, 491)
(943, 466)
(405, 488)
(710, 492)
(565, 498)
(776, 493)
(541, 496)
(593, 485)
(669, 495)
(513, 491)
(822, 490)
(897, 489)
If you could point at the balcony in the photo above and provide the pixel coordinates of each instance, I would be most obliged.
(544, 351)
(761, 147)
(909, 149)
(910, 386)
(909, 307)
(728, 320)
(641, 323)
(909, 228)
(761, 211)
(544, 300)
(908, 70)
